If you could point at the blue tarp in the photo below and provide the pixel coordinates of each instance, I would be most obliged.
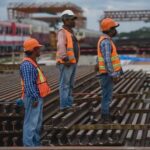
(134, 58)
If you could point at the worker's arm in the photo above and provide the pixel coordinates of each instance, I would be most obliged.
(106, 50)
(29, 75)
(61, 44)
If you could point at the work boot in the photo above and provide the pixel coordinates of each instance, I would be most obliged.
(117, 117)
(69, 109)
(105, 119)
(64, 110)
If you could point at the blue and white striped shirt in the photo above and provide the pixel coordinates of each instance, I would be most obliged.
(106, 50)
(29, 75)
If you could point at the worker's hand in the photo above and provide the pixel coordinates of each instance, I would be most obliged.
(121, 72)
(115, 79)
(19, 103)
(67, 64)
(96, 67)
(66, 59)
(35, 103)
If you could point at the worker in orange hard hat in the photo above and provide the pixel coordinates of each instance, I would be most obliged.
(67, 57)
(108, 24)
(108, 65)
(34, 89)
(30, 44)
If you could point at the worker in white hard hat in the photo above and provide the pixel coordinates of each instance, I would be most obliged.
(67, 57)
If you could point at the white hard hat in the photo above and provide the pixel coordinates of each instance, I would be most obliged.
(68, 14)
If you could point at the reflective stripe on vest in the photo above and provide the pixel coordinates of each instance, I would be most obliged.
(70, 49)
(42, 84)
(41, 76)
(114, 57)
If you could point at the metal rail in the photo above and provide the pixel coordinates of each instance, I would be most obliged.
(81, 125)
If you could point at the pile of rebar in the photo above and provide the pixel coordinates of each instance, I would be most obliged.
(81, 125)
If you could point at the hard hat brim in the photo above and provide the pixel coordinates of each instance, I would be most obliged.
(74, 17)
(68, 17)
(39, 45)
(117, 24)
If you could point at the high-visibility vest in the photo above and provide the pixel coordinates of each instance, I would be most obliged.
(114, 56)
(69, 50)
(41, 82)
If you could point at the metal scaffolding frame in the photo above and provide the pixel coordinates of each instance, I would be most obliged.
(25, 10)
(129, 15)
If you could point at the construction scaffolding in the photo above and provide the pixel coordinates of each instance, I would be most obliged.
(26, 10)
(129, 15)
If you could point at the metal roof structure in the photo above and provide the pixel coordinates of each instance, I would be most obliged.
(129, 15)
(44, 7)
(26, 10)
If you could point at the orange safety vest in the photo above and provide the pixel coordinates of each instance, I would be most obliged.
(42, 84)
(70, 49)
(114, 56)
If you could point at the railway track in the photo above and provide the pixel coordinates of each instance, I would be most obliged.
(81, 125)
(76, 148)
(11, 116)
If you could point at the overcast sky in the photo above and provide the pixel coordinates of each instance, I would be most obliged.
(93, 9)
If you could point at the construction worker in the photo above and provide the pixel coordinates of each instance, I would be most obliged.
(67, 57)
(34, 89)
(109, 66)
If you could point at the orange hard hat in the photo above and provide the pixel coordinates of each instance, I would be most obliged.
(108, 23)
(30, 44)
